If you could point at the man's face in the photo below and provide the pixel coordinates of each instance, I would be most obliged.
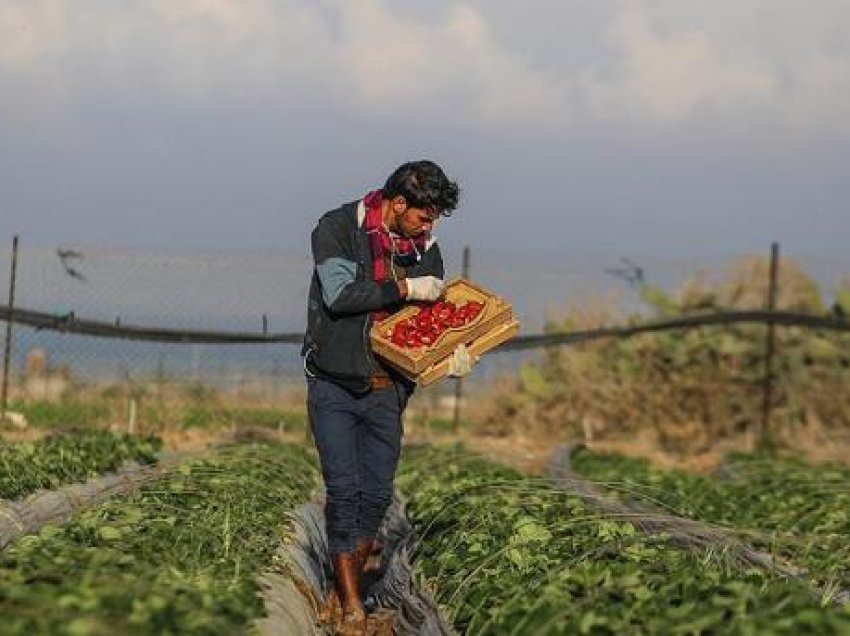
(413, 222)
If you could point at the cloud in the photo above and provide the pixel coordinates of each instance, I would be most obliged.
(291, 49)
(668, 62)
(761, 59)
(31, 33)
(452, 67)
(670, 77)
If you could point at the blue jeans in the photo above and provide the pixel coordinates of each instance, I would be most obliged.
(359, 441)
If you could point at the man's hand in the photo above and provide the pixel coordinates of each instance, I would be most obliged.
(461, 362)
(426, 288)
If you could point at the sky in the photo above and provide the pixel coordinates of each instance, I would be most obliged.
(633, 127)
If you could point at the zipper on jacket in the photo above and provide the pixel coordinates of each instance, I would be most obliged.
(370, 359)
(363, 257)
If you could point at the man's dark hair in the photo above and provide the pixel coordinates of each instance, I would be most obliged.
(423, 184)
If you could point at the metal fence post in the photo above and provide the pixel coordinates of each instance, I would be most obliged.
(7, 349)
(765, 437)
(459, 381)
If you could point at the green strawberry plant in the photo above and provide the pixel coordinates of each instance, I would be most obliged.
(181, 556)
(801, 513)
(54, 461)
(506, 554)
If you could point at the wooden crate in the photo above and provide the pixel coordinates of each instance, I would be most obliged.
(415, 362)
(490, 340)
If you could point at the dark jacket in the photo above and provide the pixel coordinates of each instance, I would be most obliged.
(343, 294)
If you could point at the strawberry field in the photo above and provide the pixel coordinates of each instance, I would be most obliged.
(498, 552)
(28, 466)
(800, 514)
(179, 556)
(508, 554)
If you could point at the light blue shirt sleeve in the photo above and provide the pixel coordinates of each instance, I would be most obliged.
(334, 275)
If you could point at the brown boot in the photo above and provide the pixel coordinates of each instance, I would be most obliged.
(331, 612)
(369, 554)
(363, 550)
(347, 583)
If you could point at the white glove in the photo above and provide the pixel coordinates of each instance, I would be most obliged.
(461, 362)
(425, 288)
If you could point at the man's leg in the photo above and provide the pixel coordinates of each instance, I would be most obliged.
(333, 414)
(334, 418)
(379, 452)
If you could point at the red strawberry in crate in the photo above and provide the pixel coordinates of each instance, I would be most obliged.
(426, 326)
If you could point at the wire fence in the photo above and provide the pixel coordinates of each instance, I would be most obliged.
(167, 329)
(112, 328)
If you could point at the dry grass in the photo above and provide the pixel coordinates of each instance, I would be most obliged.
(684, 397)
(531, 453)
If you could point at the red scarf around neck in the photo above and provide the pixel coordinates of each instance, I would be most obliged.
(381, 244)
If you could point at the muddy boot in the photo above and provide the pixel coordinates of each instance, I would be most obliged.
(347, 583)
(331, 611)
(369, 555)
(363, 550)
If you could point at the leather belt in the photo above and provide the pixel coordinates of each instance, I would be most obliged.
(379, 382)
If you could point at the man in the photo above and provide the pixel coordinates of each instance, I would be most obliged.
(370, 257)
